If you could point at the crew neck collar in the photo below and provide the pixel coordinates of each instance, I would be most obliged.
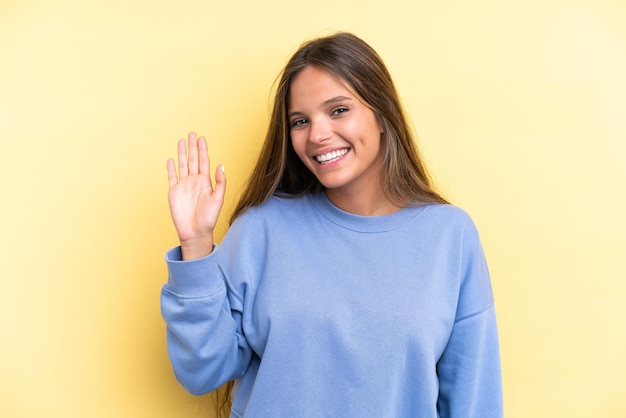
(362, 223)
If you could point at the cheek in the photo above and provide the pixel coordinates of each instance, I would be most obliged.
(299, 145)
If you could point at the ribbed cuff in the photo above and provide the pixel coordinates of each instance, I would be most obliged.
(194, 278)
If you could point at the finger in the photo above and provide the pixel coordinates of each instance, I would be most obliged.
(220, 182)
(183, 171)
(203, 156)
(192, 161)
(171, 173)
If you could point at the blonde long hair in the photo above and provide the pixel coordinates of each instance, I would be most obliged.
(354, 63)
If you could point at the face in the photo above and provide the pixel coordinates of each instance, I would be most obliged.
(335, 135)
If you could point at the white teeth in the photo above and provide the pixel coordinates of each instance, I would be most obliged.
(331, 155)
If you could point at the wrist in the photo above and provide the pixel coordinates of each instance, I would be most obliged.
(196, 248)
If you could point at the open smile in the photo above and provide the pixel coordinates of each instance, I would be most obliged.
(331, 156)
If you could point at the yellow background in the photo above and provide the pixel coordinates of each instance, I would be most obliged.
(520, 107)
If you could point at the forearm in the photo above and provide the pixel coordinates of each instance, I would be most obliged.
(204, 338)
(470, 384)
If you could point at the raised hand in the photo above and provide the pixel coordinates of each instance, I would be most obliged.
(195, 202)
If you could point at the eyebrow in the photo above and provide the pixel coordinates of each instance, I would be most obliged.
(324, 104)
(335, 99)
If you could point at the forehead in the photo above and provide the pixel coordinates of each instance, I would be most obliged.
(314, 83)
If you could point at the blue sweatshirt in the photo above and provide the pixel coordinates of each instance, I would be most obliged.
(316, 312)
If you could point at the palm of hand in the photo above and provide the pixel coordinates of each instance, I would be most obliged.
(194, 207)
(194, 202)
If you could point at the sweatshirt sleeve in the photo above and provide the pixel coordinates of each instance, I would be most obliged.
(205, 341)
(470, 383)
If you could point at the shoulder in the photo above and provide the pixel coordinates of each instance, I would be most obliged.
(447, 223)
(449, 215)
(274, 211)
(256, 229)
(278, 204)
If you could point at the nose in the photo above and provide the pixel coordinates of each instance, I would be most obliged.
(320, 130)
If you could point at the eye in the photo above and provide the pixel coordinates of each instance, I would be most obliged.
(297, 123)
(340, 110)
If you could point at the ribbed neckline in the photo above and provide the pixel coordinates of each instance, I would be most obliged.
(361, 223)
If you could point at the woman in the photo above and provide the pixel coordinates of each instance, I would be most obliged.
(346, 285)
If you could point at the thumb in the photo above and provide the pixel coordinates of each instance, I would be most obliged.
(220, 181)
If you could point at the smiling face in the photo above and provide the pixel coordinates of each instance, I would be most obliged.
(337, 137)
